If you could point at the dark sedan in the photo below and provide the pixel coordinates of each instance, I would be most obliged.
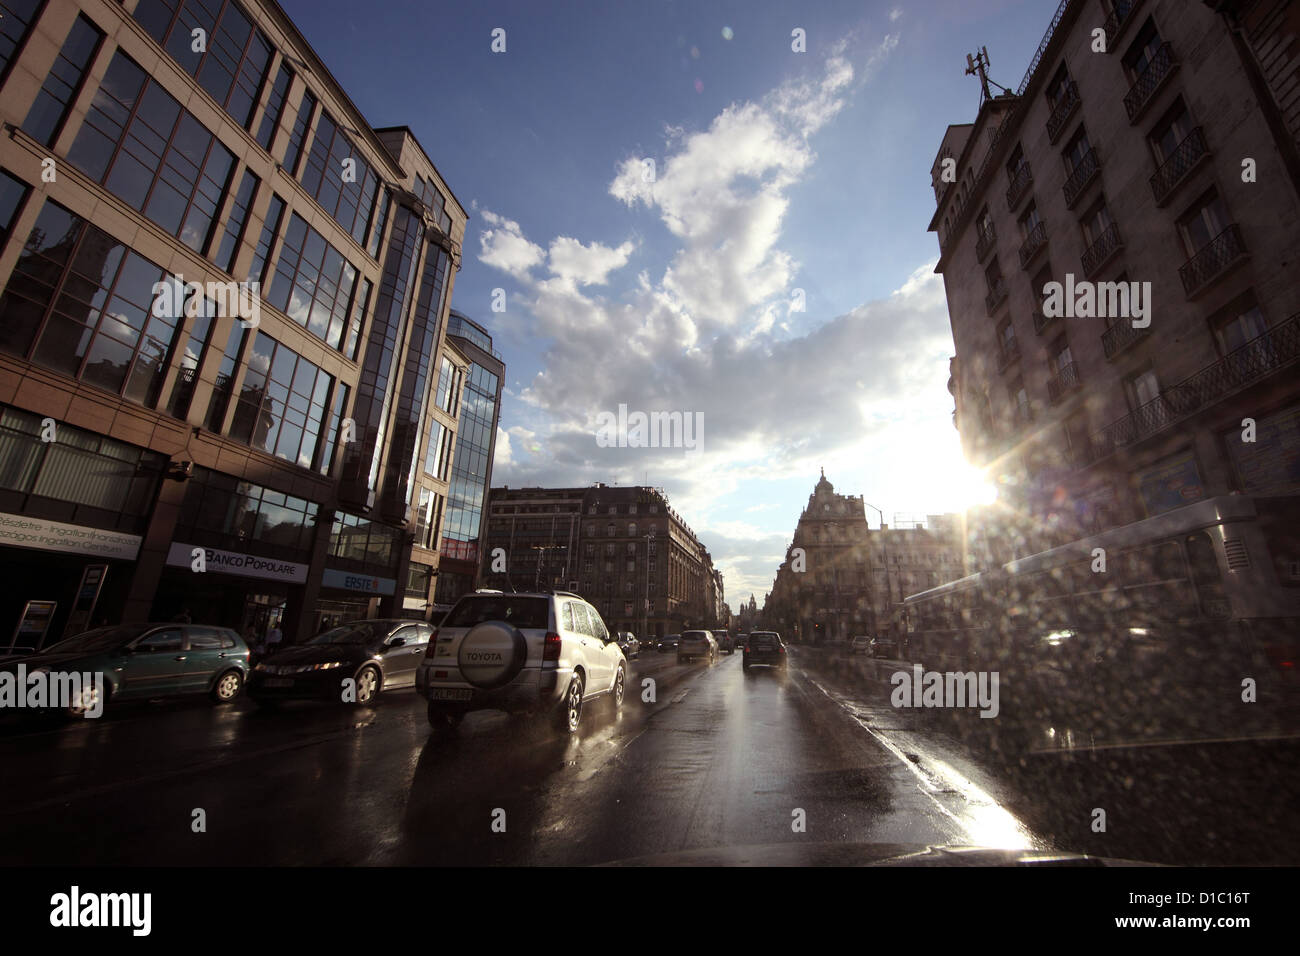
(764, 647)
(630, 645)
(669, 643)
(376, 655)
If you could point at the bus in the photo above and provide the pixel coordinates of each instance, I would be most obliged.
(1174, 606)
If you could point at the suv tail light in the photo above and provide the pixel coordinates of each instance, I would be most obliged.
(780, 648)
(551, 647)
(433, 643)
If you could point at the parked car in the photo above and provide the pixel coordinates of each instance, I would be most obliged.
(860, 645)
(379, 654)
(141, 661)
(538, 652)
(697, 644)
(669, 643)
(764, 647)
(630, 645)
(726, 643)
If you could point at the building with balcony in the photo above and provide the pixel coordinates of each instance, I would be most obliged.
(846, 578)
(182, 439)
(1159, 177)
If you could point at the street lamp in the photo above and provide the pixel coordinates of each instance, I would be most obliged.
(884, 550)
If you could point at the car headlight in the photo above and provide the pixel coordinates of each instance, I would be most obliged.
(259, 667)
(323, 667)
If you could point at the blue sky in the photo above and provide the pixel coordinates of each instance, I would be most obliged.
(775, 171)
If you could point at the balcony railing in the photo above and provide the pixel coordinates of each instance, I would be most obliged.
(1212, 261)
(1066, 378)
(985, 242)
(1253, 362)
(1042, 321)
(1186, 156)
(997, 292)
(1162, 65)
(1119, 18)
(1101, 251)
(1008, 353)
(1084, 172)
(1120, 336)
(1062, 111)
(1033, 243)
(1020, 183)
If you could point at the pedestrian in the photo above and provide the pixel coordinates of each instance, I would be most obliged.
(273, 638)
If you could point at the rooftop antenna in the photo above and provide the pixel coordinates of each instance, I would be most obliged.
(977, 64)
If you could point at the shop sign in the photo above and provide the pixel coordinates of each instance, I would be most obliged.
(240, 563)
(20, 531)
(354, 581)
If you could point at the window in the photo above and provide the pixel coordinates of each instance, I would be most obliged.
(16, 18)
(237, 54)
(984, 224)
(45, 118)
(196, 346)
(1016, 392)
(338, 177)
(447, 396)
(1029, 221)
(275, 107)
(1007, 338)
(992, 276)
(313, 283)
(609, 550)
(1076, 151)
(154, 156)
(80, 302)
(438, 457)
(418, 578)
(1060, 355)
(631, 547)
(1172, 129)
(222, 389)
(1142, 50)
(12, 193)
(1203, 222)
(259, 270)
(631, 529)
(298, 135)
(1238, 327)
(234, 234)
(220, 511)
(281, 407)
(609, 529)
(1095, 223)
(1142, 388)
(361, 544)
(332, 428)
(1058, 87)
(162, 642)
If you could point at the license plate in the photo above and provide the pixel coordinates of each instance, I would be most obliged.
(443, 694)
(278, 682)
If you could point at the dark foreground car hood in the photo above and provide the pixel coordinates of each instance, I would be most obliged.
(867, 854)
(52, 661)
(320, 654)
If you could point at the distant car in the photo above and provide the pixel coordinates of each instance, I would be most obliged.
(380, 654)
(695, 644)
(726, 642)
(860, 645)
(141, 661)
(669, 643)
(630, 645)
(886, 647)
(764, 647)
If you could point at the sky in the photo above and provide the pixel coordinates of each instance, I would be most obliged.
(770, 275)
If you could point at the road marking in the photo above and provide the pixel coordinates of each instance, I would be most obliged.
(682, 696)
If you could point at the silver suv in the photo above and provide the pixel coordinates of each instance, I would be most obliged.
(538, 651)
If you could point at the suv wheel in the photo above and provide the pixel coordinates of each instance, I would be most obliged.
(570, 712)
(620, 688)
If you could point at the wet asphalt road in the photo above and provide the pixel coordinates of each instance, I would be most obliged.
(719, 759)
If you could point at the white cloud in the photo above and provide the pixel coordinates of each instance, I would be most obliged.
(504, 247)
(591, 264)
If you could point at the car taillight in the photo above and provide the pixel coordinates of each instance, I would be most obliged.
(433, 643)
(746, 648)
(780, 648)
(551, 647)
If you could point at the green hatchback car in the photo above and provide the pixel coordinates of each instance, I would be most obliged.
(141, 661)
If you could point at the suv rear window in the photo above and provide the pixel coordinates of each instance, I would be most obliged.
(522, 612)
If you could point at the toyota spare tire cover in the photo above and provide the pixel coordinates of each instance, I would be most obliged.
(492, 654)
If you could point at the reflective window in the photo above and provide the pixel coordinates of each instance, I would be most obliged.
(234, 234)
(80, 302)
(12, 193)
(16, 17)
(362, 544)
(50, 108)
(220, 511)
(225, 383)
(275, 107)
(281, 406)
(313, 283)
(259, 271)
(339, 178)
(298, 135)
(153, 155)
(234, 57)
